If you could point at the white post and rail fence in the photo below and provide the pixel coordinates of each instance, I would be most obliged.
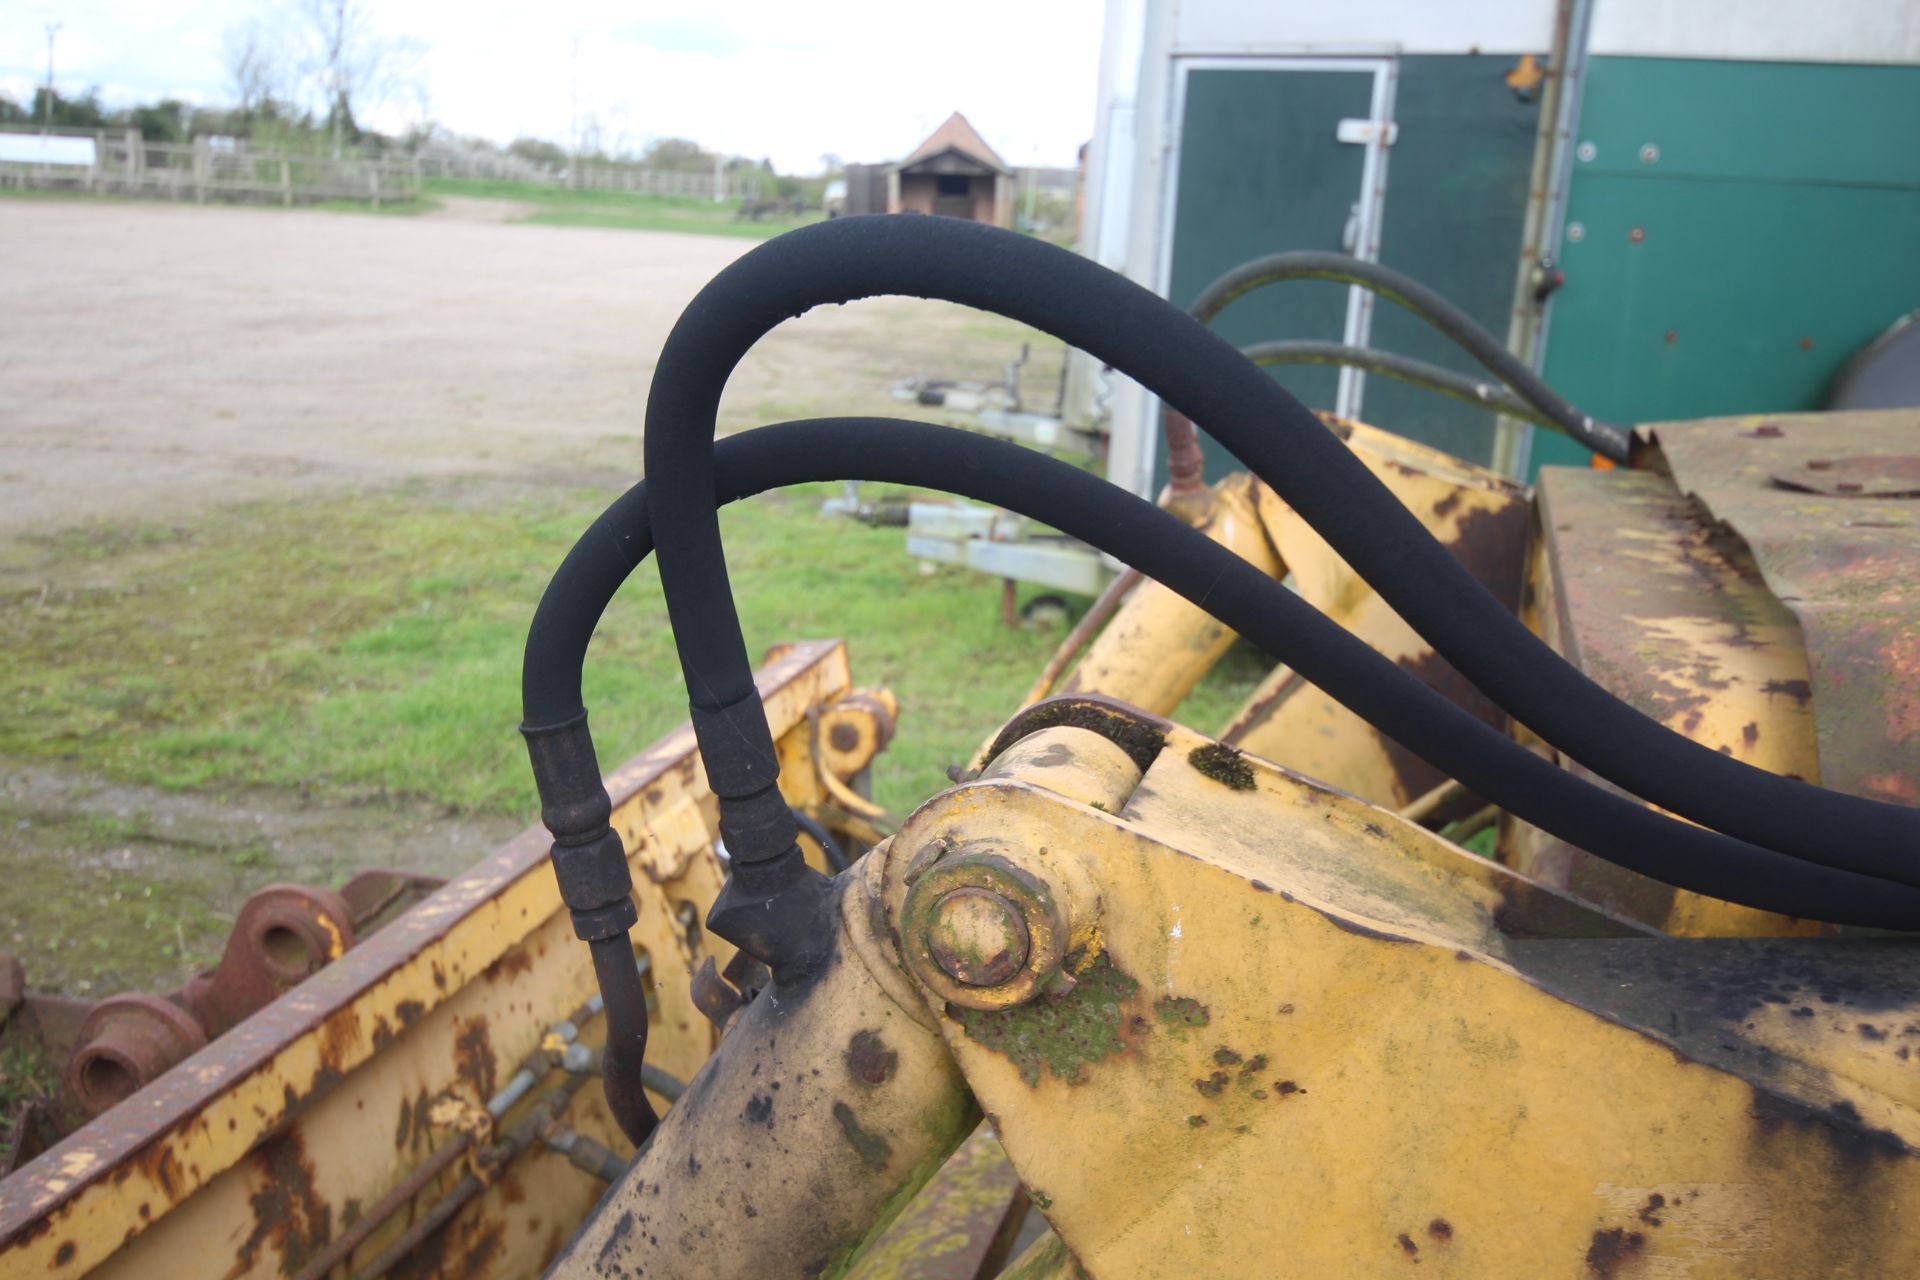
(122, 162)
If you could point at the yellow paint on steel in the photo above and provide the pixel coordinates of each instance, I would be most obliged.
(252, 1152)
(1158, 645)
(1478, 514)
(1634, 586)
(832, 1105)
(1309, 1049)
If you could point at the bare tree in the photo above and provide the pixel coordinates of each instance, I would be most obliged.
(254, 65)
(351, 64)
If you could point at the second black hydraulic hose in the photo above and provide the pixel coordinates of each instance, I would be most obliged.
(1281, 441)
(1165, 548)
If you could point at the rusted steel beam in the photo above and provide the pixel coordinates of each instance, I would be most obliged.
(961, 1226)
(123, 1174)
(1827, 503)
(1638, 587)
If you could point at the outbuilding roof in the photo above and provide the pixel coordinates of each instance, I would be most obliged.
(957, 134)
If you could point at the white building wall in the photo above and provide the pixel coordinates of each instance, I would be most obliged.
(1884, 31)
(1406, 26)
(1134, 133)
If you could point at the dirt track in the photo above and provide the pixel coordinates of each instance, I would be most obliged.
(159, 360)
(156, 358)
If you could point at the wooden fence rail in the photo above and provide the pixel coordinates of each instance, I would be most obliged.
(209, 169)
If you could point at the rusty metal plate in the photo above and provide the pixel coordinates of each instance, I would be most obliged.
(1881, 476)
(217, 1154)
(1648, 596)
(960, 1226)
(1848, 567)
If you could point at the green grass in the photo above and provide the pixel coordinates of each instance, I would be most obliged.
(562, 207)
(388, 208)
(370, 646)
(27, 1073)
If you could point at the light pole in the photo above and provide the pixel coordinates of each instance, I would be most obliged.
(53, 29)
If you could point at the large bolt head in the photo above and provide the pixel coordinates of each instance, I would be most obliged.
(978, 937)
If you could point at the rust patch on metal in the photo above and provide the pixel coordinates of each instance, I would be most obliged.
(869, 1060)
(473, 1056)
(511, 965)
(1871, 475)
(1440, 1230)
(1611, 1249)
(1407, 1246)
(43, 1198)
(1848, 570)
(287, 1212)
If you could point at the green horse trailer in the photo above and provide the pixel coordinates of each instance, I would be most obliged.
(1672, 211)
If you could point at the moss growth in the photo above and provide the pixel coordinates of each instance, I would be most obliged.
(1180, 1012)
(27, 1074)
(1059, 1036)
(1139, 739)
(872, 1148)
(1223, 764)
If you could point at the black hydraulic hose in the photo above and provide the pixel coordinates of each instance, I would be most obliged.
(1418, 373)
(1604, 438)
(1245, 599)
(1190, 368)
(829, 847)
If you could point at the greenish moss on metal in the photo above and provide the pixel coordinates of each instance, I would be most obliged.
(872, 1148)
(1061, 1035)
(1178, 1013)
(1223, 764)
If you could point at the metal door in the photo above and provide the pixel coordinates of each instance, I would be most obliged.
(1257, 164)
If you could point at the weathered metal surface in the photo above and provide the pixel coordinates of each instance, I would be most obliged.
(1482, 518)
(114, 1047)
(1866, 476)
(253, 1154)
(1158, 645)
(1301, 1042)
(830, 1104)
(1045, 1259)
(961, 1225)
(1847, 564)
(1638, 588)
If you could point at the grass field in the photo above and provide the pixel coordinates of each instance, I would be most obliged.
(561, 207)
(550, 206)
(369, 648)
(261, 610)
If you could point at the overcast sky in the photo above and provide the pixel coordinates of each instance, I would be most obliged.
(790, 79)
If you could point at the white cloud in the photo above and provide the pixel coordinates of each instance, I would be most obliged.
(863, 79)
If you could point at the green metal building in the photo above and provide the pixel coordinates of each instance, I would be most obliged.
(1730, 189)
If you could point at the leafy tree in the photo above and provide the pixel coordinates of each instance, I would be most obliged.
(83, 112)
(676, 153)
(163, 121)
(539, 151)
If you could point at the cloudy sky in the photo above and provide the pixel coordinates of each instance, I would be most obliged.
(862, 79)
